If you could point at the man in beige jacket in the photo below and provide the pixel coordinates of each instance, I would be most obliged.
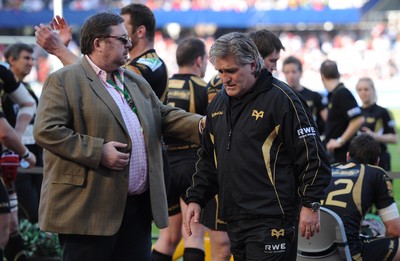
(100, 127)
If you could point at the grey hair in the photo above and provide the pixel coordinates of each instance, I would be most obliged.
(241, 47)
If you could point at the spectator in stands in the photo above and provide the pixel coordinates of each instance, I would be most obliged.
(10, 138)
(355, 186)
(344, 115)
(379, 123)
(20, 58)
(293, 69)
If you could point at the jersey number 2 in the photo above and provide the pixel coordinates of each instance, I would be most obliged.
(346, 190)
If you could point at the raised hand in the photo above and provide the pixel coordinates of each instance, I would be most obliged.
(61, 26)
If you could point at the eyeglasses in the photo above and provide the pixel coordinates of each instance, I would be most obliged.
(124, 39)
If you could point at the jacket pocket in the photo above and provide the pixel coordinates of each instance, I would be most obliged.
(72, 174)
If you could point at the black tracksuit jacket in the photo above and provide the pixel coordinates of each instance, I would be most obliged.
(261, 154)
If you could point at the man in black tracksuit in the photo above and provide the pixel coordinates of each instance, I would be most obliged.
(262, 154)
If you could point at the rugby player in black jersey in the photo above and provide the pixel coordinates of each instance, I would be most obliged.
(293, 69)
(355, 186)
(10, 138)
(344, 114)
(379, 123)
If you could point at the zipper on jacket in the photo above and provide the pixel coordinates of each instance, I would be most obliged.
(228, 147)
(228, 120)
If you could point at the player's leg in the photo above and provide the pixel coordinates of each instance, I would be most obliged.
(4, 218)
(194, 244)
(219, 240)
(380, 249)
(14, 249)
(220, 245)
(170, 236)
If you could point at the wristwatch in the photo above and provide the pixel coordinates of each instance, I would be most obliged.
(314, 206)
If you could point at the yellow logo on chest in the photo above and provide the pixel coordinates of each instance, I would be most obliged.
(257, 114)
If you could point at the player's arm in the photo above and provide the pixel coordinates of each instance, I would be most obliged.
(389, 131)
(391, 220)
(324, 114)
(385, 138)
(27, 105)
(10, 139)
(352, 128)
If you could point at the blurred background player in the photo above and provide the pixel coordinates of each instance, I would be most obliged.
(269, 46)
(20, 58)
(379, 123)
(344, 114)
(187, 90)
(140, 23)
(11, 243)
(293, 69)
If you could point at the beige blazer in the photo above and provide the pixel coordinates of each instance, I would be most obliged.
(75, 117)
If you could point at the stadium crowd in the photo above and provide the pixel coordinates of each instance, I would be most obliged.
(237, 5)
(376, 54)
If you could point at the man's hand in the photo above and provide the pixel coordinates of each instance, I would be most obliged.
(332, 145)
(60, 24)
(309, 222)
(31, 159)
(202, 124)
(112, 158)
(48, 39)
(192, 212)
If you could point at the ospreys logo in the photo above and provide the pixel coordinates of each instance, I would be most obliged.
(257, 114)
(277, 233)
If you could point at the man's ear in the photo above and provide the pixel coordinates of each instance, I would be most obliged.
(199, 61)
(253, 67)
(11, 60)
(141, 31)
(96, 43)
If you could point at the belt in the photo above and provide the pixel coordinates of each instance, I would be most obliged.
(183, 147)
